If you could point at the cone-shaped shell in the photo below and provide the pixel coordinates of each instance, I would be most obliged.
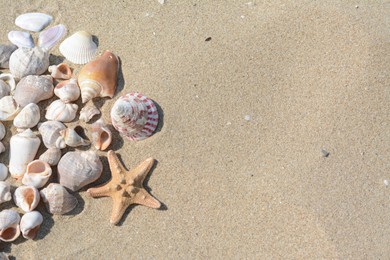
(37, 174)
(60, 71)
(26, 198)
(88, 112)
(30, 224)
(8, 108)
(57, 199)
(78, 169)
(5, 192)
(50, 132)
(79, 48)
(99, 77)
(32, 89)
(5, 54)
(67, 90)
(21, 39)
(72, 138)
(101, 135)
(27, 61)
(9, 225)
(49, 37)
(3, 172)
(28, 117)
(2, 131)
(60, 111)
(33, 21)
(52, 156)
(134, 116)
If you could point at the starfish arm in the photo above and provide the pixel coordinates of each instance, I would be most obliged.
(116, 166)
(141, 171)
(102, 191)
(119, 207)
(144, 198)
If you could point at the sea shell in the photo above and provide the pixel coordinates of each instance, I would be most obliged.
(52, 156)
(60, 111)
(72, 138)
(30, 224)
(23, 148)
(21, 39)
(57, 199)
(49, 37)
(78, 169)
(5, 54)
(50, 132)
(101, 135)
(7, 84)
(2, 131)
(26, 198)
(67, 90)
(27, 61)
(60, 71)
(9, 225)
(3, 172)
(88, 112)
(99, 77)
(8, 108)
(79, 48)
(37, 174)
(33, 21)
(28, 117)
(3, 256)
(5, 192)
(134, 116)
(32, 89)
(2, 148)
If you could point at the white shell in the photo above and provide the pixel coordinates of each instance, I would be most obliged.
(50, 132)
(30, 224)
(37, 174)
(23, 148)
(2, 148)
(21, 39)
(26, 198)
(49, 37)
(27, 61)
(9, 225)
(5, 192)
(57, 199)
(60, 71)
(79, 48)
(33, 21)
(33, 89)
(52, 156)
(67, 90)
(28, 117)
(101, 135)
(60, 111)
(2, 131)
(3, 172)
(88, 112)
(5, 54)
(8, 84)
(8, 108)
(72, 138)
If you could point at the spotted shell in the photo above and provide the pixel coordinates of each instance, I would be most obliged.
(61, 111)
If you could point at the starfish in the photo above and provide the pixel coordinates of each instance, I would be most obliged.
(125, 187)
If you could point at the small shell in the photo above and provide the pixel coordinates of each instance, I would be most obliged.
(37, 174)
(60, 71)
(10, 85)
(60, 111)
(9, 225)
(27, 61)
(67, 90)
(57, 199)
(3, 172)
(49, 37)
(50, 132)
(3, 256)
(30, 224)
(72, 139)
(33, 89)
(5, 54)
(5, 192)
(2, 148)
(88, 112)
(78, 169)
(33, 21)
(26, 198)
(28, 117)
(21, 39)
(79, 48)
(52, 156)
(101, 135)
(8, 108)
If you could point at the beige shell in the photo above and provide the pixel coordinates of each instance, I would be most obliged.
(79, 48)
(28, 117)
(9, 225)
(3, 172)
(30, 224)
(78, 169)
(67, 90)
(5, 192)
(32, 89)
(8, 108)
(60, 111)
(7, 84)
(37, 174)
(52, 156)
(60, 71)
(72, 138)
(28, 61)
(88, 112)
(57, 199)
(26, 198)
(101, 135)
(50, 132)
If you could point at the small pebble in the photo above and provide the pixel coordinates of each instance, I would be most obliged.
(386, 182)
(247, 117)
(207, 39)
(324, 153)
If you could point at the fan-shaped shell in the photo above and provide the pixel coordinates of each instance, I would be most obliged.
(50, 132)
(5, 192)
(79, 48)
(80, 168)
(27, 61)
(134, 116)
(49, 37)
(33, 89)
(21, 39)
(52, 156)
(9, 225)
(5, 54)
(72, 138)
(28, 117)
(2, 131)
(60, 111)
(60, 71)
(33, 21)
(88, 112)
(8, 108)
(37, 174)
(30, 224)
(67, 90)
(101, 135)
(3, 172)
(26, 198)
(57, 199)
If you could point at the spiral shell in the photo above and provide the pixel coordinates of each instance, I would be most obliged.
(60, 71)
(26, 198)
(79, 48)
(57, 199)
(32, 89)
(5, 54)
(101, 135)
(5, 192)
(8, 108)
(9, 225)
(72, 138)
(30, 224)
(37, 174)
(50, 132)
(88, 112)
(67, 90)
(60, 111)
(27, 61)
(28, 117)
(52, 156)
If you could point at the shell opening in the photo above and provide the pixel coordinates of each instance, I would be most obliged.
(36, 167)
(9, 233)
(29, 196)
(32, 233)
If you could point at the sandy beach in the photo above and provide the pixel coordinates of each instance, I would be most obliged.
(252, 95)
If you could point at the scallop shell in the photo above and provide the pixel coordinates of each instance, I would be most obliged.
(79, 48)
(23, 148)
(33, 21)
(7, 84)
(78, 169)
(30, 224)
(21, 39)
(60, 111)
(5, 192)
(49, 37)
(50, 132)
(60, 71)
(57, 199)
(9, 225)
(5, 54)
(67, 90)
(8, 108)
(3, 172)
(72, 138)
(33, 89)
(26, 198)
(37, 174)
(101, 135)
(52, 156)
(134, 116)
(88, 112)
(99, 77)
(27, 61)
(2, 131)
(28, 117)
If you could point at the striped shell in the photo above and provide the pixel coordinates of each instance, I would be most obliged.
(79, 48)
(61, 111)
(27, 61)
(57, 199)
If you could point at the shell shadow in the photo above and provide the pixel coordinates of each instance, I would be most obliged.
(47, 223)
(80, 204)
(121, 80)
(56, 59)
(117, 140)
(160, 112)
(95, 39)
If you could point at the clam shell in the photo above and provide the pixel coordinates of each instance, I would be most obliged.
(60, 111)
(67, 90)
(79, 48)
(49, 37)
(33, 21)
(37, 174)
(26, 198)
(99, 77)
(60, 71)
(52, 156)
(72, 138)
(101, 135)
(5, 192)
(3, 172)
(21, 39)
(7, 84)
(27, 61)
(57, 199)
(30, 224)
(88, 112)
(78, 169)
(9, 225)
(134, 116)
(2, 131)
(33, 89)
(50, 132)
(5, 54)
(8, 108)
(28, 117)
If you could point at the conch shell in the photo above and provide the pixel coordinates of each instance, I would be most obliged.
(88, 112)
(52, 156)
(67, 90)
(50, 132)
(28, 117)
(30, 224)
(60, 71)
(8, 108)
(26, 198)
(99, 77)
(5, 192)
(60, 111)
(28, 61)
(101, 135)
(37, 174)
(9, 225)
(57, 199)
(72, 138)
(32, 89)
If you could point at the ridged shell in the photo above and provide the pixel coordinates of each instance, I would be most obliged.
(5, 54)
(9, 225)
(33, 21)
(7, 84)
(52, 156)
(72, 138)
(57, 199)
(37, 174)
(67, 90)
(60, 111)
(30, 224)
(50, 132)
(78, 169)
(5, 192)
(99, 77)
(60, 71)
(28, 117)
(79, 48)
(3, 172)
(134, 116)
(26, 61)
(49, 37)
(2, 131)
(26, 198)
(21, 39)
(33, 89)
(8, 108)
(88, 112)
(101, 135)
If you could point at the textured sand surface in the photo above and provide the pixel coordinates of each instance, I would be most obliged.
(245, 116)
